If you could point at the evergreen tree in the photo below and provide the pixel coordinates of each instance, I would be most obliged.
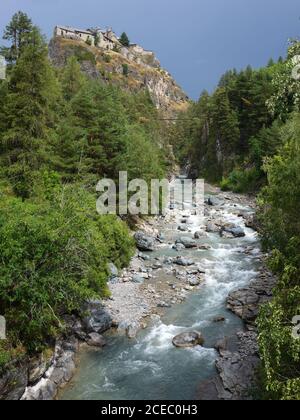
(72, 78)
(33, 92)
(225, 123)
(16, 32)
(124, 40)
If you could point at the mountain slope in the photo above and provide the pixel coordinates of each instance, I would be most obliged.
(132, 71)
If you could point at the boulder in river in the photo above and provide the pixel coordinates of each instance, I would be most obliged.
(144, 242)
(187, 242)
(188, 339)
(236, 231)
(251, 221)
(199, 234)
(184, 262)
(194, 281)
(212, 228)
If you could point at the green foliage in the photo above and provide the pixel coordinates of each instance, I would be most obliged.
(60, 133)
(97, 40)
(279, 203)
(17, 33)
(82, 54)
(54, 257)
(29, 113)
(124, 40)
(242, 181)
(125, 69)
(246, 136)
(107, 58)
(286, 91)
(72, 79)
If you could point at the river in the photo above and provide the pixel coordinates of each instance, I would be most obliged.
(150, 367)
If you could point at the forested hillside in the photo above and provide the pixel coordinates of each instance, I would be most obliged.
(60, 133)
(246, 137)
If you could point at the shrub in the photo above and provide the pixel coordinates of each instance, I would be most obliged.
(125, 70)
(54, 257)
(225, 184)
(83, 54)
(107, 58)
(242, 181)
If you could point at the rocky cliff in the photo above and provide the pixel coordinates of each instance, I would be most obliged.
(132, 69)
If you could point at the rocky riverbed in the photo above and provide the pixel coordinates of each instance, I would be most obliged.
(167, 268)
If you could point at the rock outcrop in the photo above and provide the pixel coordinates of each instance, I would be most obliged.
(143, 71)
(239, 356)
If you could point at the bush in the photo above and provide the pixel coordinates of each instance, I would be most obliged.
(107, 58)
(242, 181)
(279, 213)
(54, 257)
(225, 184)
(83, 54)
(125, 70)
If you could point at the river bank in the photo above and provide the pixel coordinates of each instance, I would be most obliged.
(160, 280)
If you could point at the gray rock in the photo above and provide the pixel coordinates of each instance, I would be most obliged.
(184, 262)
(213, 228)
(188, 339)
(163, 305)
(194, 281)
(252, 222)
(199, 234)
(13, 383)
(213, 201)
(187, 242)
(113, 270)
(96, 340)
(178, 247)
(98, 320)
(137, 279)
(235, 231)
(38, 367)
(183, 228)
(144, 242)
(219, 319)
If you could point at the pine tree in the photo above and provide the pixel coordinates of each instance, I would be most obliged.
(16, 32)
(72, 78)
(124, 40)
(225, 122)
(33, 93)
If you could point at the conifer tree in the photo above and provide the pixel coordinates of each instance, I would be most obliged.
(16, 32)
(124, 40)
(32, 97)
(72, 78)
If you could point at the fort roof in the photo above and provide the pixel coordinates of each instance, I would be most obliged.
(70, 29)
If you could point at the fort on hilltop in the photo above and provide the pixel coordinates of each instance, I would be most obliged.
(107, 40)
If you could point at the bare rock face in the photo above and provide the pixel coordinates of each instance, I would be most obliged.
(236, 371)
(246, 302)
(188, 339)
(13, 383)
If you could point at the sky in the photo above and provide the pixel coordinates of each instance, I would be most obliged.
(195, 40)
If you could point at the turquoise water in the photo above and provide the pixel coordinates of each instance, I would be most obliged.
(150, 367)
